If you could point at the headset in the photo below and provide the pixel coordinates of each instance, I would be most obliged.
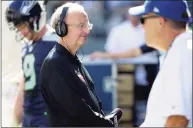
(61, 26)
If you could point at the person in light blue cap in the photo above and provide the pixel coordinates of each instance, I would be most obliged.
(170, 100)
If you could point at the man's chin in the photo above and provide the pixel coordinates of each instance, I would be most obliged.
(81, 44)
(26, 37)
(83, 41)
(154, 45)
(150, 44)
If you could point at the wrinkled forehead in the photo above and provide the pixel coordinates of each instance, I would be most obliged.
(79, 16)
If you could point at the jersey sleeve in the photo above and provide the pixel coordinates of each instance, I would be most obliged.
(50, 40)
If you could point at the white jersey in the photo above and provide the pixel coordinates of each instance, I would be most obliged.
(171, 93)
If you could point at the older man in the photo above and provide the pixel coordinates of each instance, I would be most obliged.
(67, 87)
(170, 99)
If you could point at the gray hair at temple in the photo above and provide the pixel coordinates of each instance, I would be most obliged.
(72, 7)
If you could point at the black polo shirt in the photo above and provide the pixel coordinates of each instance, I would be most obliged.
(69, 92)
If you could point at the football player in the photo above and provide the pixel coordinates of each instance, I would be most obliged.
(27, 19)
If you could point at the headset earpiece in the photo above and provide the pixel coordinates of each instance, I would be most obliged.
(61, 27)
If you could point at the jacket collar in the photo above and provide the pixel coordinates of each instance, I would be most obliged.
(65, 52)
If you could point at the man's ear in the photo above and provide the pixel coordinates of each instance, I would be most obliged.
(162, 21)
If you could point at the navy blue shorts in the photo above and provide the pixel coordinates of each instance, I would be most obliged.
(35, 121)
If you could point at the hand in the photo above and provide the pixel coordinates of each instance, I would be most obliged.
(115, 116)
(95, 55)
(177, 121)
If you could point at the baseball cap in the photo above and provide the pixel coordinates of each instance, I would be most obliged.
(175, 10)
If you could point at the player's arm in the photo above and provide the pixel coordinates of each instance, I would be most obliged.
(126, 54)
(130, 53)
(18, 106)
(65, 92)
(177, 121)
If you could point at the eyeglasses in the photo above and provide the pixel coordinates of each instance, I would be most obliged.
(142, 19)
(82, 26)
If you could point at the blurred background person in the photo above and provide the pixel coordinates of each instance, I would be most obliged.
(123, 36)
(130, 53)
(125, 41)
(25, 17)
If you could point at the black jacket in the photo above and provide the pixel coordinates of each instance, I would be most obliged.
(69, 92)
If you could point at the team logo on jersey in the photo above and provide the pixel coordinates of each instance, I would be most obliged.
(80, 76)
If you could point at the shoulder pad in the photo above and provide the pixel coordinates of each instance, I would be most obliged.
(50, 35)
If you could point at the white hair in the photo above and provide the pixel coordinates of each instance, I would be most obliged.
(71, 7)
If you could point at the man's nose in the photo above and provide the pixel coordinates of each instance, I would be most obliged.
(86, 30)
